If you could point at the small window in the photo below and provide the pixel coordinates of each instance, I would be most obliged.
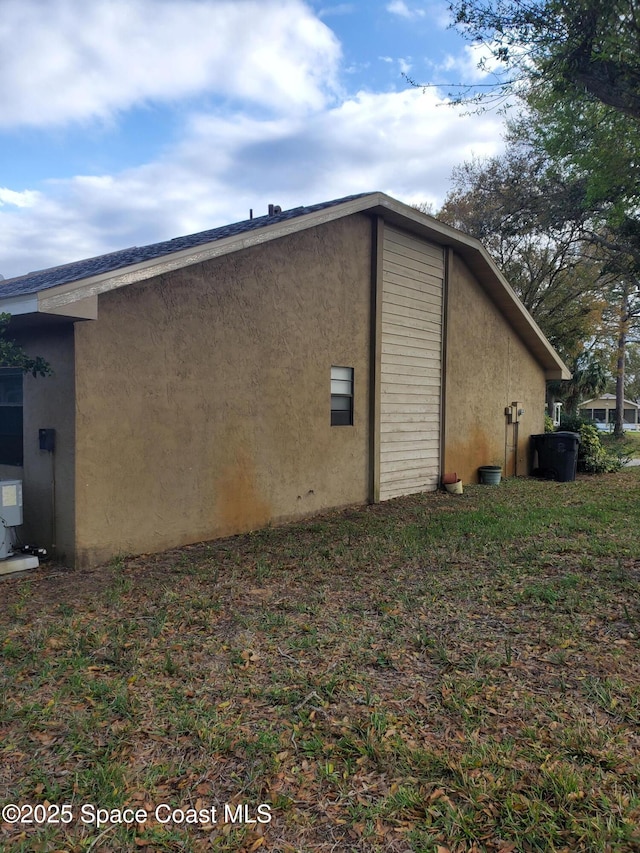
(10, 416)
(600, 416)
(342, 396)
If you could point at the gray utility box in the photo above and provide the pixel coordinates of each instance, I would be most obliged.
(10, 513)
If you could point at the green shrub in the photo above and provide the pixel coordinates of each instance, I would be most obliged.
(572, 423)
(548, 424)
(592, 456)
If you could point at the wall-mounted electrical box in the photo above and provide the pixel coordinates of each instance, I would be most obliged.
(514, 412)
(47, 439)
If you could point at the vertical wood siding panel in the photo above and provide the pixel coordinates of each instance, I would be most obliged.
(411, 364)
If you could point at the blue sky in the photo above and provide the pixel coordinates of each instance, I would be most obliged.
(125, 122)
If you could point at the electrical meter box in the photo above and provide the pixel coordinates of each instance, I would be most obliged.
(11, 503)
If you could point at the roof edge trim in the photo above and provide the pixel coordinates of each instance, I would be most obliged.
(60, 299)
(64, 294)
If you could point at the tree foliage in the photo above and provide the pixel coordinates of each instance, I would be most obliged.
(13, 355)
(589, 380)
(575, 47)
(596, 151)
(575, 65)
(632, 372)
(506, 202)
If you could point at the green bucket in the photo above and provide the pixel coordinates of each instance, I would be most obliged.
(490, 475)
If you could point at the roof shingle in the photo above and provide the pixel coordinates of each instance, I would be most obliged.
(34, 282)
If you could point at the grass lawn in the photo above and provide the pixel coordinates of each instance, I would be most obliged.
(628, 444)
(437, 673)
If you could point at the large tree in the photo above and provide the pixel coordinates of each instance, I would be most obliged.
(632, 372)
(622, 322)
(575, 46)
(511, 204)
(575, 65)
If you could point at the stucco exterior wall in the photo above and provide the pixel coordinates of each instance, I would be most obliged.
(203, 396)
(48, 478)
(487, 368)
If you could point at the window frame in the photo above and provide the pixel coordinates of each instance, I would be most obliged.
(11, 451)
(342, 394)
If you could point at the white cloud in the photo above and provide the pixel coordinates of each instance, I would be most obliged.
(68, 60)
(400, 8)
(476, 64)
(433, 12)
(18, 199)
(403, 143)
(339, 9)
(274, 130)
(404, 65)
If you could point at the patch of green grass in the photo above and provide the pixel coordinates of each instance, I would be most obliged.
(422, 673)
(628, 445)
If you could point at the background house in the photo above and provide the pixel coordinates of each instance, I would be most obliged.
(346, 352)
(602, 410)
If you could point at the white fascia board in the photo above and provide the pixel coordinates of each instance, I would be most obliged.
(19, 304)
(80, 309)
(37, 303)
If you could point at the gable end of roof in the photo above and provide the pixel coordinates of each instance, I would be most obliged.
(71, 290)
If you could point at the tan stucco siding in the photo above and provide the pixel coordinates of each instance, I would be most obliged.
(487, 368)
(48, 481)
(203, 397)
(411, 346)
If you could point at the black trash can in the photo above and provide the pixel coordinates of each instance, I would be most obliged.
(557, 455)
